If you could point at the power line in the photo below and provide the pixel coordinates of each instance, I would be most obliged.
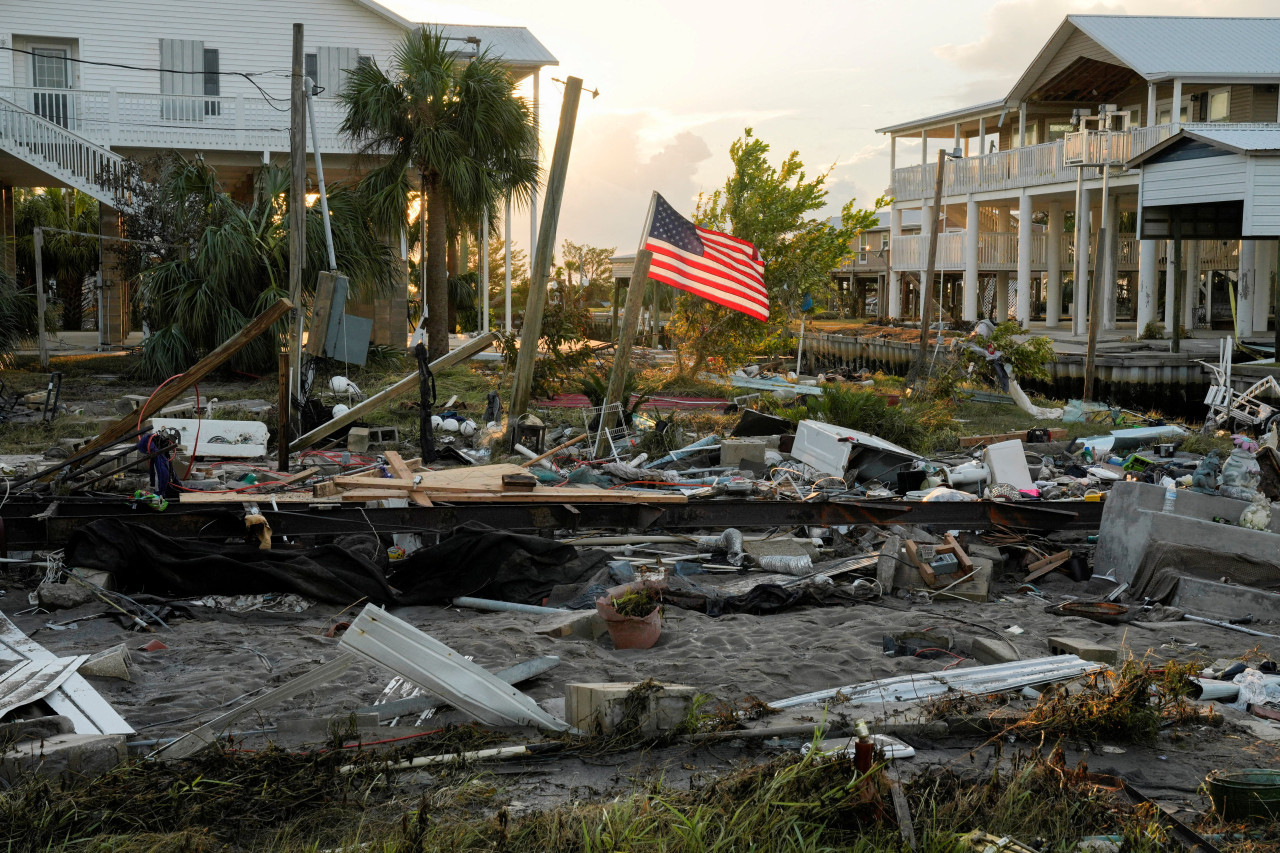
(194, 125)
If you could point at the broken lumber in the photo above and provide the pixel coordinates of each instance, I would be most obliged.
(1040, 568)
(402, 471)
(405, 385)
(553, 451)
(166, 394)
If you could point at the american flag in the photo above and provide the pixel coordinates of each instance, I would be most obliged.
(706, 263)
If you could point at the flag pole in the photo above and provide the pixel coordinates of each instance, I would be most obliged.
(627, 331)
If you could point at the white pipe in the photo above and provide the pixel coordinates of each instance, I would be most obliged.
(309, 84)
(493, 606)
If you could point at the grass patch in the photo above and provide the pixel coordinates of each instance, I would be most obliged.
(1206, 444)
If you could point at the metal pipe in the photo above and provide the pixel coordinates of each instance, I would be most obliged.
(309, 84)
(684, 451)
(504, 606)
(1204, 688)
(1229, 626)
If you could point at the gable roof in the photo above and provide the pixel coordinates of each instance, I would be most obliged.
(513, 45)
(1258, 141)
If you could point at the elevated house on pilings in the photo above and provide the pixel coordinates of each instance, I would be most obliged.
(85, 83)
(1023, 157)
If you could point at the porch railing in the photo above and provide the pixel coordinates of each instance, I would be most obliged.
(152, 120)
(998, 251)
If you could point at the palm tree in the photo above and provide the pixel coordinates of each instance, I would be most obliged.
(17, 317)
(460, 126)
(197, 295)
(68, 258)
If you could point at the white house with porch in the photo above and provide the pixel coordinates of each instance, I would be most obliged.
(84, 83)
(1035, 155)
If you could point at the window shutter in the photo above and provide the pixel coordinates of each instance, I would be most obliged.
(333, 65)
(181, 73)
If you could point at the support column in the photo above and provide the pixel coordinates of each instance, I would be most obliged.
(8, 232)
(1022, 125)
(1175, 109)
(113, 321)
(924, 150)
(1002, 297)
(1080, 286)
(1110, 263)
(972, 226)
(892, 307)
(1169, 285)
(982, 136)
(1024, 260)
(1246, 288)
(1053, 267)
(1151, 105)
(1192, 283)
(1264, 265)
(1148, 275)
(928, 219)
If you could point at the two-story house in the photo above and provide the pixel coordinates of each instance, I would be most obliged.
(84, 83)
(1035, 155)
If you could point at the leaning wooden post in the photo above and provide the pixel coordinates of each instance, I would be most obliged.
(166, 395)
(532, 331)
(627, 331)
(926, 286)
(37, 241)
(282, 413)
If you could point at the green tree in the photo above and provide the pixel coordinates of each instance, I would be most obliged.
(771, 207)
(226, 261)
(591, 262)
(17, 316)
(68, 258)
(460, 126)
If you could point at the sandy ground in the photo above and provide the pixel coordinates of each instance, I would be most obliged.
(211, 661)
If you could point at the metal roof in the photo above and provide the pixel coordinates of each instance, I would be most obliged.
(1258, 141)
(975, 111)
(514, 45)
(1160, 47)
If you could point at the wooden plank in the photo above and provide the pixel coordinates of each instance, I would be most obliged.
(355, 495)
(553, 451)
(564, 496)
(285, 482)
(248, 498)
(975, 440)
(1040, 568)
(405, 385)
(402, 471)
(166, 395)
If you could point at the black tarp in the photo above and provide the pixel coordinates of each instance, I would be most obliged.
(472, 560)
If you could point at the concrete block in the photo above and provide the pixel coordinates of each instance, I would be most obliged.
(734, 451)
(111, 663)
(1201, 597)
(976, 588)
(779, 548)
(37, 728)
(602, 707)
(64, 756)
(887, 566)
(62, 596)
(587, 624)
(1084, 649)
(358, 439)
(990, 651)
(987, 552)
(383, 436)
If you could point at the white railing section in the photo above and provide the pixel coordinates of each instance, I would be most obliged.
(56, 150)
(152, 120)
(1036, 165)
(998, 251)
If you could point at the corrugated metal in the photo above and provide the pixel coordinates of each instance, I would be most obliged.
(1160, 47)
(515, 45)
(975, 111)
(1254, 140)
(31, 680)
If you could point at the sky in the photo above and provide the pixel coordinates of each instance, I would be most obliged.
(679, 80)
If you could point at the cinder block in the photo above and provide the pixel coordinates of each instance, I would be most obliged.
(383, 435)
(991, 651)
(358, 439)
(735, 451)
(64, 756)
(601, 707)
(587, 624)
(1083, 649)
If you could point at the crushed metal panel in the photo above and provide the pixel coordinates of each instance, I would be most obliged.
(350, 343)
(75, 699)
(384, 639)
(832, 449)
(196, 739)
(32, 680)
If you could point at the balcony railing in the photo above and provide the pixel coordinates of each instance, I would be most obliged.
(1035, 165)
(151, 120)
(998, 252)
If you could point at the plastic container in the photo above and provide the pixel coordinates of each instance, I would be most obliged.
(630, 632)
(1245, 794)
(1170, 497)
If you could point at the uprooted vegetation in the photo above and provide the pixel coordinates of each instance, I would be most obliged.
(228, 800)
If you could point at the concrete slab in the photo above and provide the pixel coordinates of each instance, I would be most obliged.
(64, 756)
(1083, 649)
(601, 707)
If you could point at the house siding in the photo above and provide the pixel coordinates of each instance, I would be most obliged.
(1265, 208)
(1206, 179)
(1078, 44)
(250, 35)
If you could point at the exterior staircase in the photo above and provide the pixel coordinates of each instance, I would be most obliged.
(56, 151)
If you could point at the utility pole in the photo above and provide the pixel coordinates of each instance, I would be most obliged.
(531, 332)
(1102, 256)
(1175, 342)
(297, 206)
(37, 242)
(926, 286)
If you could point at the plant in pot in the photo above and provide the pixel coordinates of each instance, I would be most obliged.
(634, 620)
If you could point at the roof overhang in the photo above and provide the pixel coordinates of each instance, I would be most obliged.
(537, 55)
(966, 114)
(1223, 142)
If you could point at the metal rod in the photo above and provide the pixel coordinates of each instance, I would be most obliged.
(309, 84)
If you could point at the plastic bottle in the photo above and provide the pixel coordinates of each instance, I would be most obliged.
(151, 499)
(864, 749)
(1170, 496)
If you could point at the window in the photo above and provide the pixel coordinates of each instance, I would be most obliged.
(311, 67)
(49, 70)
(212, 82)
(1059, 129)
(1219, 104)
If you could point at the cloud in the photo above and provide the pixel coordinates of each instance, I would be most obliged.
(1015, 31)
(611, 176)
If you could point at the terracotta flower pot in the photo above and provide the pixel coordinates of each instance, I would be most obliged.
(630, 632)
